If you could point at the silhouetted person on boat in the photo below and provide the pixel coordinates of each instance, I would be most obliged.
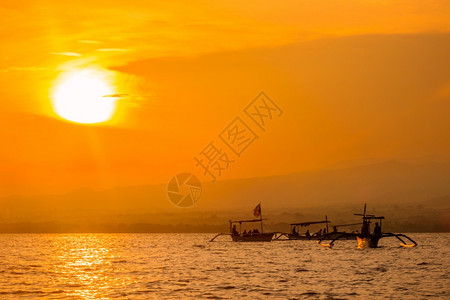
(245, 232)
(234, 230)
(334, 229)
(377, 230)
(255, 231)
(294, 232)
(307, 233)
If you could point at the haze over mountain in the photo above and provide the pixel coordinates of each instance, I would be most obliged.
(414, 193)
(344, 98)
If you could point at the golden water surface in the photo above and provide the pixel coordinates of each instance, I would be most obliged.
(141, 266)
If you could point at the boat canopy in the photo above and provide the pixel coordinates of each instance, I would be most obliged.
(369, 217)
(303, 224)
(342, 225)
(247, 221)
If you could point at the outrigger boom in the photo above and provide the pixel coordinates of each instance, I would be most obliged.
(365, 238)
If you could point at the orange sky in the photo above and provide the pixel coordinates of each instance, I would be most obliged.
(356, 80)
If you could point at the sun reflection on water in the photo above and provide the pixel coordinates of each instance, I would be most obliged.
(84, 264)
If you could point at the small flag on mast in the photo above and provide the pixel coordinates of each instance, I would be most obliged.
(257, 210)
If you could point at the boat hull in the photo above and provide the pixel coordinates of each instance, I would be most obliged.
(329, 237)
(259, 237)
(367, 242)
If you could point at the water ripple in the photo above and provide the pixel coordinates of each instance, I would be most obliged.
(167, 266)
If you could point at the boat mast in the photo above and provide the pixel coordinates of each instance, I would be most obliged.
(260, 217)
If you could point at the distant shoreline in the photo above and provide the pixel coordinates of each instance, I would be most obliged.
(175, 230)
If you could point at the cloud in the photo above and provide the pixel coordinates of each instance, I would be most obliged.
(74, 54)
(23, 69)
(112, 50)
(116, 95)
(89, 42)
(130, 100)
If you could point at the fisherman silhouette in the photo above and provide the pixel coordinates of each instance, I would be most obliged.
(377, 230)
(234, 230)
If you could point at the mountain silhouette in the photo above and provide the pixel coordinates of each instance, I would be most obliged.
(390, 186)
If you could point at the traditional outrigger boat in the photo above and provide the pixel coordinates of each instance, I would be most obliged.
(294, 232)
(365, 238)
(254, 235)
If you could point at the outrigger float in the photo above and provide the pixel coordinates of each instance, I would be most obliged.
(366, 239)
(237, 235)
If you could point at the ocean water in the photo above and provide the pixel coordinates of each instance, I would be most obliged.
(146, 266)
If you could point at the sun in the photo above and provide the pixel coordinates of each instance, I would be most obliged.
(84, 96)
